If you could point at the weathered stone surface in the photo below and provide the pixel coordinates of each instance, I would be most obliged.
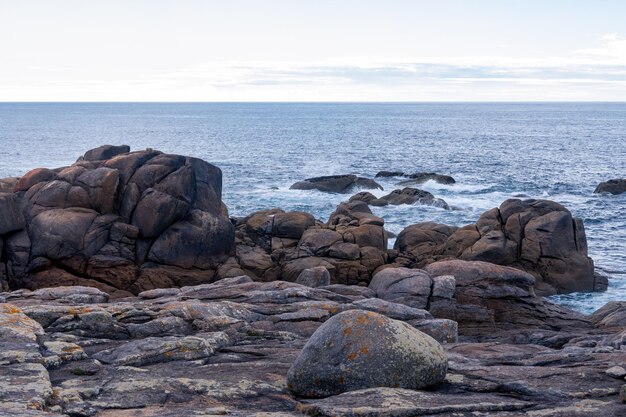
(341, 354)
(62, 295)
(155, 363)
(422, 239)
(105, 152)
(34, 177)
(411, 287)
(162, 349)
(537, 236)
(291, 224)
(11, 218)
(385, 174)
(336, 184)
(616, 372)
(400, 402)
(369, 198)
(419, 177)
(7, 185)
(314, 277)
(615, 186)
(488, 296)
(101, 220)
(409, 195)
(422, 177)
(612, 314)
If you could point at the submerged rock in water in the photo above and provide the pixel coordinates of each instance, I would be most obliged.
(615, 186)
(336, 184)
(418, 177)
(413, 195)
(422, 177)
(405, 196)
(356, 349)
(386, 174)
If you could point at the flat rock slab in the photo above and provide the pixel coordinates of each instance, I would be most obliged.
(397, 402)
(226, 348)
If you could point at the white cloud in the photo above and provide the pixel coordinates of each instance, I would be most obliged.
(597, 73)
(612, 50)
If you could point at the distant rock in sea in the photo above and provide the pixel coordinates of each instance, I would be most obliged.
(405, 196)
(417, 178)
(615, 186)
(341, 184)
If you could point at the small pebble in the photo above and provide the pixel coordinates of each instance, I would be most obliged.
(616, 372)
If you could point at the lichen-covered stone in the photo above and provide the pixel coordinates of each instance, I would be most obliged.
(357, 349)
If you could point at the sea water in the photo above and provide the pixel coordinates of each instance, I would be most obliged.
(495, 151)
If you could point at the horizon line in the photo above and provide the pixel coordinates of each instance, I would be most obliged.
(320, 102)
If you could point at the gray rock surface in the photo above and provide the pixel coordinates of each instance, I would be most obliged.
(615, 186)
(314, 277)
(225, 348)
(342, 354)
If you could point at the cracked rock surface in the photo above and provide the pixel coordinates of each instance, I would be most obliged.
(226, 348)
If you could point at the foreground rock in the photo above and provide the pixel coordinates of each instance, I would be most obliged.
(226, 349)
(537, 236)
(616, 186)
(117, 220)
(336, 184)
(341, 354)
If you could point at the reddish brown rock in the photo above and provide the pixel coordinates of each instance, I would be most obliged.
(537, 236)
(104, 217)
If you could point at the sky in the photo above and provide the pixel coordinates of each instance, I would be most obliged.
(317, 50)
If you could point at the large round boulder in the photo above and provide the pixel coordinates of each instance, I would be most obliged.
(357, 349)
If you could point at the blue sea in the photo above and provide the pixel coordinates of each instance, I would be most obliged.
(495, 151)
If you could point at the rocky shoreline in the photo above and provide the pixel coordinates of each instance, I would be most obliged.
(130, 292)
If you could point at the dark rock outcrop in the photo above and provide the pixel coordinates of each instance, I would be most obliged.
(405, 196)
(351, 245)
(341, 355)
(105, 152)
(117, 220)
(387, 174)
(615, 186)
(422, 177)
(336, 184)
(418, 177)
(537, 236)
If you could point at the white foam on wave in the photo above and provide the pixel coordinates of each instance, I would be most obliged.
(457, 187)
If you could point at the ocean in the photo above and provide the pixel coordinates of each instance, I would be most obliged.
(495, 151)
